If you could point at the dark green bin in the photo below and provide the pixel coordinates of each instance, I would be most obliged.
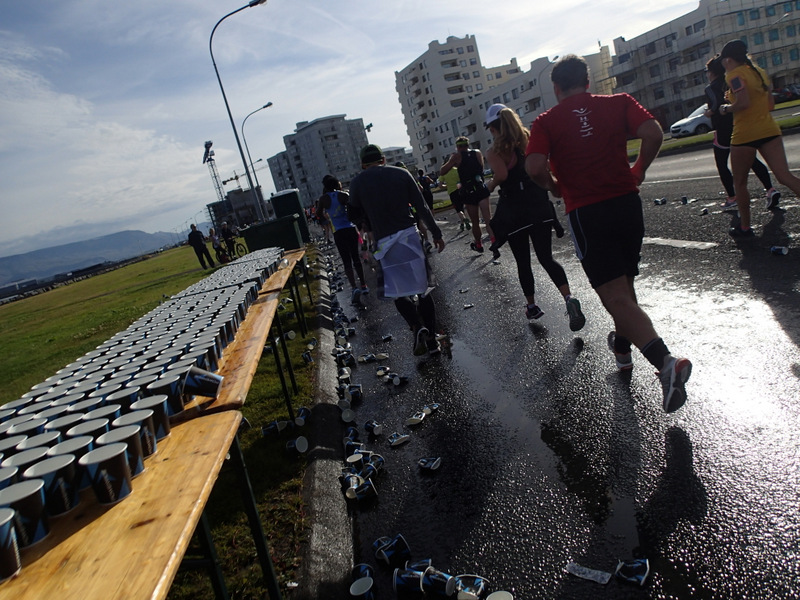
(283, 232)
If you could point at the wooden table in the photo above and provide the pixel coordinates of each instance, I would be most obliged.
(133, 549)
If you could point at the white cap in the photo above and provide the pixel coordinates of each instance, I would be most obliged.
(493, 113)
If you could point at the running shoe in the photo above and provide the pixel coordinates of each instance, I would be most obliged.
(476, 247)
(729, 203)
(533, 312)
(461, 226)
(576, 318)
(421, 341)
(738, 232)
(674, 376)
(624, 361)
(773, 197)
(354, 296)
(467, 224)
(364, 290)
(434, 347)
(495, 252)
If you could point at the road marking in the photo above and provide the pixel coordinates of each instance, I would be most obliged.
(679, 243)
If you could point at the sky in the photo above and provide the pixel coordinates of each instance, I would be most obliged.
(105, 106)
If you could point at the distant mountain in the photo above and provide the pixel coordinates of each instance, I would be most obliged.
(41, 264)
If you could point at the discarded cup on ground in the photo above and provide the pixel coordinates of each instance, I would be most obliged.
(303, 415)
(350, 484)
(500, 595)
(30, 519)
(430, 463)
(108, 468)
(779, 250)
(297, 446)
(396, 439)
(366, 491)
(348, 416)
(430, 408)
(362, 570)
(372, 427)
(415, 419)
(362, 588)
(470, 587)
(437, 582)
(406, 581)
(395, 553)
(633, 571)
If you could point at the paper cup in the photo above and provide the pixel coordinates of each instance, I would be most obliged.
(199, 382)
(60, 482)
(143, 418)
(362, 588)
(8, 476)
(108, 468)
(437, 583)
(131, 437)
(158, 404)
(94, 428)
(30, 519)
(77, 446)
(10, 563)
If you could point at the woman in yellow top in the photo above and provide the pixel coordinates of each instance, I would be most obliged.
(754, 130)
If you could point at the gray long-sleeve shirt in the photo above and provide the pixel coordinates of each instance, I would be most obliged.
(385, 195)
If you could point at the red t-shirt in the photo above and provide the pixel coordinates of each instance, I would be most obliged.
(585, 137)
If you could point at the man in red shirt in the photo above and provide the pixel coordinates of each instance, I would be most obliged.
(578, 150)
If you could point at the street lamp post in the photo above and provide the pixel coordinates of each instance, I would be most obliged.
(539, 79)
(251, 4)
(244, 138)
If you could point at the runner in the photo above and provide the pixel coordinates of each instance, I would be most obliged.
(334, 203)
(584, 141)
(524, 212)
(381, 196)
(474, 194)
(453, 184)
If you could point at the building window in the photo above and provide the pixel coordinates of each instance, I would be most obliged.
(673, 63)
(458, 89)
(498, 75)
(469, 89)
(628, 78)
(489, 77)
(755, 14)
(677, 87)
(758, 38)
(506, 98)
(689, 30)
(448, 51)
(791, 31)
(470, 48)
(740, 18)
(773, 35)
(787, 7)
(669, 39)
(650, 48)
(460, 50)
(465, 75)
(476, 74)
(658, 93)
(462, 63)
(623, 58)
(770, 11)
(457, 103)
(452, 76)
(514, 94)
(794, 54)
(761, 62)
(655, 70)
(479, 86)
(473, 61)
(699, 26)
(777, 59)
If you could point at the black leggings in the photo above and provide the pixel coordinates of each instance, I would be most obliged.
(418, 314)
(721, 158)
(540, 235)
(347, 243)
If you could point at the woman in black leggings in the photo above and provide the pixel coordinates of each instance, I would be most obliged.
(524, 212)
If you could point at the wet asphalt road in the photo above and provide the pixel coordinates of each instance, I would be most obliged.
(550, 456)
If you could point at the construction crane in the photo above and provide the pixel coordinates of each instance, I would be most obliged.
(208, 157)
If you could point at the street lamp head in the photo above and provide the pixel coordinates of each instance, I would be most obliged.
(256, 3)
(268, 104)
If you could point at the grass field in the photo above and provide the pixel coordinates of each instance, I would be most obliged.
(44, 333)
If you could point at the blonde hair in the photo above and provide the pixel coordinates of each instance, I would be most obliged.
(511, 136)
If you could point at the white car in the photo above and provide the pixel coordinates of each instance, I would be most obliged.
(696, 123)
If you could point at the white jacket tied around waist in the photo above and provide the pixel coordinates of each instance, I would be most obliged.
(403, 262)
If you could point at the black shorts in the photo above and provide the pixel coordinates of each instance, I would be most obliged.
(758, 143)
(455, 199)
(608, 238)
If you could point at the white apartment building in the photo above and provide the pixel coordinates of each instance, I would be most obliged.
(444, 93)
(664, 68)
(326, 145)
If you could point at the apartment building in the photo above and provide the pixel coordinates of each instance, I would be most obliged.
(444, 93)
(325, 145)
(664, 67)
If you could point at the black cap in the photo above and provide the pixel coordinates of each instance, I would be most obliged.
(735, 49)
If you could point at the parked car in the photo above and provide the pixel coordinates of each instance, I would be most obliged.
(783, 95)
(695, 124)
